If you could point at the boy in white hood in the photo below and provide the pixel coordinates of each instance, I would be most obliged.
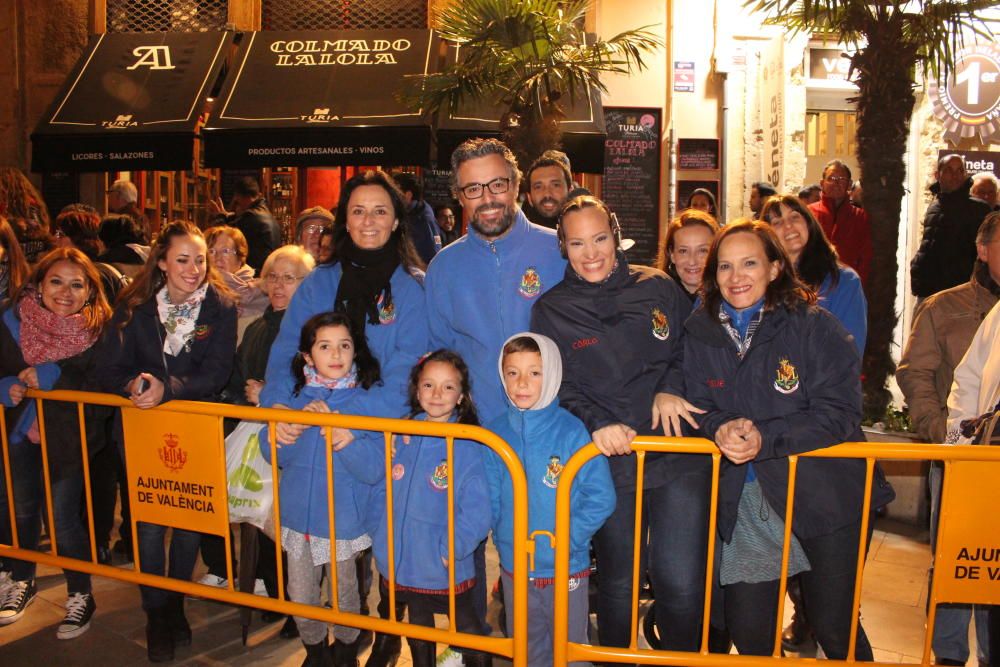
(545, 436)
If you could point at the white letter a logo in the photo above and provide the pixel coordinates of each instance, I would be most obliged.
(153, 57)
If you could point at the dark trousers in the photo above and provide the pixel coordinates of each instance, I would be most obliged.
(827, 595)
(152, 557)
(675, 517)
(72, 538)
(994, 631)
(421, 608)
(267, 565)
(107, 482)
(213, 553)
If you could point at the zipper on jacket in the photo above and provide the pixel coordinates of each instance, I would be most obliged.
(499, 284)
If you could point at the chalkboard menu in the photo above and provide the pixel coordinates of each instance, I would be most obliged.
(685, 188)
(631, 186)
(437, 187)
(697, 153)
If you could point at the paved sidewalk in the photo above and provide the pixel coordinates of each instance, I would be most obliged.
(893, 607)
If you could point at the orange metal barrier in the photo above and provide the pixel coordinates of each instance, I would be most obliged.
(179, 424)
(972, 480)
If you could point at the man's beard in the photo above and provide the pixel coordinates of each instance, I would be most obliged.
(493, 230)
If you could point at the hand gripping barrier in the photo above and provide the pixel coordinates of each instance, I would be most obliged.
(181, 424)
(967, 555)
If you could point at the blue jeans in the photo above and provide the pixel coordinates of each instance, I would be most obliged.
(72, 539)
(183, 554)
(676, 515)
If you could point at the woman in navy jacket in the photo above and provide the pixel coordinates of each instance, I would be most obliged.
(619, 331)
(173, 336)
(778, 376)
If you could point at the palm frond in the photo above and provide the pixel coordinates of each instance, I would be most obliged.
(519, 51)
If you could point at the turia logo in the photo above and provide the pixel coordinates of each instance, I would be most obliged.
(319, 115)
(120, 122)
(171, 454)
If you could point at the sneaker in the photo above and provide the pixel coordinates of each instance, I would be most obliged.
(214, 581)
(259, 588)
(79, 609)
(16, 598)
(449, 658)
(5, 580)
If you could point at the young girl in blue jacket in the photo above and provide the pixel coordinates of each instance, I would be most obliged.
(544, 436)
(332, 366)
(438, 392)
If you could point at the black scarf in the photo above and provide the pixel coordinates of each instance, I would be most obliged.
(365, 281)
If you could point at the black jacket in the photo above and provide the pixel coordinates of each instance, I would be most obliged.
(948, 247)
(262, 232)
(62, 426)
(621, 342)
(252, 354)
(198, 374)
(800, 385)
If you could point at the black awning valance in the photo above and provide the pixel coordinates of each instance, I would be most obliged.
(132, 102)
(582, 128)
(321, 98)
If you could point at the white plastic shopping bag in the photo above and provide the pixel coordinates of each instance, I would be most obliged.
(248, 478)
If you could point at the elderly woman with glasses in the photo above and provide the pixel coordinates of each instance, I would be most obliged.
(227, 251)
(282, 273)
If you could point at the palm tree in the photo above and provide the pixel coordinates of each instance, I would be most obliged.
(890, 38)
(527, 57)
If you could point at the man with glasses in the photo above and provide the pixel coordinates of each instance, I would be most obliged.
(846, 225)
(480, 289)
(309, 229)
(948, 246)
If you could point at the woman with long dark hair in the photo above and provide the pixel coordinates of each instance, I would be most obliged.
(375, 278)
(816, 264)
(47, 341)
(777, 376)
(173, 336)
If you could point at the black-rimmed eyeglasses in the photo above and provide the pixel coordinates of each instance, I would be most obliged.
(497, 186)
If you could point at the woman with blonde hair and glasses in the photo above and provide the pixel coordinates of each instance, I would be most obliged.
(228, 250)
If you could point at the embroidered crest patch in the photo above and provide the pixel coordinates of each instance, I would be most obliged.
(552, 472)
(531, 283)
(661, 328)
(787, 380)
(439, 478)
(386, 312)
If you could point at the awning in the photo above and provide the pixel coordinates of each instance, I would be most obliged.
(131, 102)
(583, 130)
(321, 98)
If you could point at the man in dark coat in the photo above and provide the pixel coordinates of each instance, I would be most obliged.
(251, 216)
(420, 221)
(948, 248)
